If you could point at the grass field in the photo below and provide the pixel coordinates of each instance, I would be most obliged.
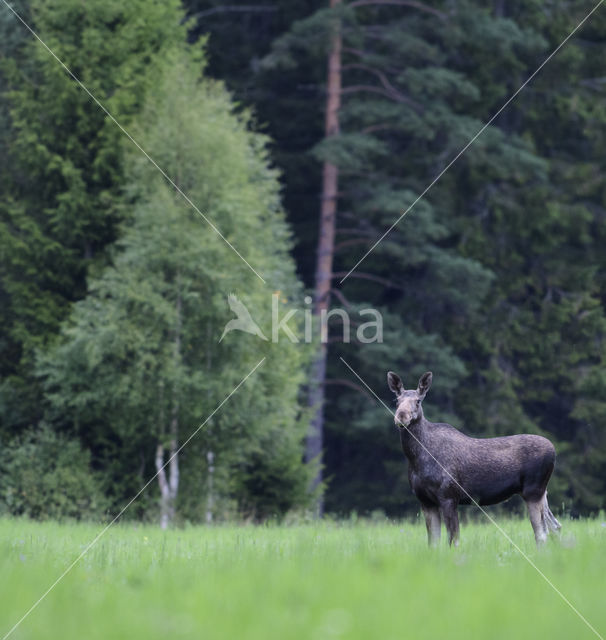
(330, 580)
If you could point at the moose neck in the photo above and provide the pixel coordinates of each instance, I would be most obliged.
(412, 435)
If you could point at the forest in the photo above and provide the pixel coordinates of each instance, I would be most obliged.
(164, 165)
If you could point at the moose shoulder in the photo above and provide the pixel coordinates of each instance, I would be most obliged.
(447, 468)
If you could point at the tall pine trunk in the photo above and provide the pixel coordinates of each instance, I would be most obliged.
(325, 254)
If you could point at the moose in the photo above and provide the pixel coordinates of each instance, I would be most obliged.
(447, 468)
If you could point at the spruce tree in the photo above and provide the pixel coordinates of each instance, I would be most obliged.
(63, 172)
(498, 265)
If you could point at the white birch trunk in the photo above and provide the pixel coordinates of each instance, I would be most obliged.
(164, 488)
(210, 500)
(169, 486)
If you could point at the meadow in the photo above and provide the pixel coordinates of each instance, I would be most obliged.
(356, 580)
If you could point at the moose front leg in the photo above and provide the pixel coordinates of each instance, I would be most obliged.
(433, 524)
(451, 520)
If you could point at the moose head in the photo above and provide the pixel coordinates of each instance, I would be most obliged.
(409, 402)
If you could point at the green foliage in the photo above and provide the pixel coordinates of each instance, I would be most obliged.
(496, 278)
(64, 168)
(47, 475)
(271, 483)
(143, 347)
(538, 352)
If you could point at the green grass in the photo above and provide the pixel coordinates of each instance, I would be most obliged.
(311, 581)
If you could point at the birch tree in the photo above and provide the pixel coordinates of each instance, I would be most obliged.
(140, 365)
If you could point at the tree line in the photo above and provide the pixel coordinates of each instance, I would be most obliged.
(495, 279)
(302, 130)
(114, 289)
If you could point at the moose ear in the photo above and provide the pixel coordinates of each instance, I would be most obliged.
(394, 382)
(424, 383)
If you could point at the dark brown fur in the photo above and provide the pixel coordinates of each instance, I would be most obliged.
(447, 468)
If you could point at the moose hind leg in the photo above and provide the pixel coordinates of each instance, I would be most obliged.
(536, 514)
(550, 520)
(451, 520)
(433, 524)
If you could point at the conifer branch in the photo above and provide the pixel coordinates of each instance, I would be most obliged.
(401, 3)
(362, 275)
(243, 8)
(346, 383)
(388, 89)
(351, 242)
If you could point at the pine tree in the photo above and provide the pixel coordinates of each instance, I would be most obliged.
(400, 108)
(499, 263)
(326, 247)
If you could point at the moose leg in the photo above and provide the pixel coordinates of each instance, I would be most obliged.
(537, 520)
(451, 520)
(550, 519)
(433, 524)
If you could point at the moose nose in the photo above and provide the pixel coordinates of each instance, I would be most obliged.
(400, 417)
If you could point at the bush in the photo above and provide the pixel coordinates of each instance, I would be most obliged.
(47, 475)
(271, 483)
